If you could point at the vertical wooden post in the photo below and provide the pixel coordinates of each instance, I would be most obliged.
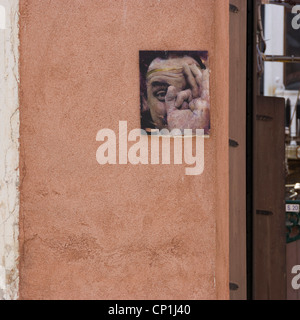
(237, 153)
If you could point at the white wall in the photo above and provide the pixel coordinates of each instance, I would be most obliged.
(9, 152)
(274, 35)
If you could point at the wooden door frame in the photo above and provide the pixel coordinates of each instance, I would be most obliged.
(244, 92)
(268, 247)
(237, 151)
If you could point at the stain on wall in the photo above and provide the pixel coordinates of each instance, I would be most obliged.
(116, 231)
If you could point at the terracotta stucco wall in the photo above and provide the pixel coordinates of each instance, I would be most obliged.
(116, 232)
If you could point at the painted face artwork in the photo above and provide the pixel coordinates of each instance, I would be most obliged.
(176, 94)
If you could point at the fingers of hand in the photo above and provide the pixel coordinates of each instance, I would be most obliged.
(170, 98)
(198, 104)
(197, 73)
(202, 80)
(205, 85)
(191, 80)
(183, 96)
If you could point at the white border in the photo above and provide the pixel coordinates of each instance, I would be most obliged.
(9, 152)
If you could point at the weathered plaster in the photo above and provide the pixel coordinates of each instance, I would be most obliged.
(122, 231)
(9, 152)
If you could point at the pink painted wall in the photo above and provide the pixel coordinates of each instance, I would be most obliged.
(116, 232)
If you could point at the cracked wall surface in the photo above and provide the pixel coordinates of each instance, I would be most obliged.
(9, 152)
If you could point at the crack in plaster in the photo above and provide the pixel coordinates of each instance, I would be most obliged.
(9, 153)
